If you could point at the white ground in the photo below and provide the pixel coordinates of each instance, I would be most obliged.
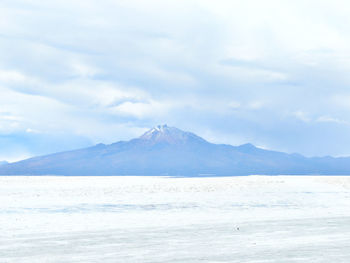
(157, 219)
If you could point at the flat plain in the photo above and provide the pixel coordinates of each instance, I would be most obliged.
(162, 219)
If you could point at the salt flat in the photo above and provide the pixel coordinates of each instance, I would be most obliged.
(160, 219)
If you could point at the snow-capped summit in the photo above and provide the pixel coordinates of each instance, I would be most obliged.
(161, 128)
(156, 130)
(172, 135)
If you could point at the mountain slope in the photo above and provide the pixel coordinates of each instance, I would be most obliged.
(3, 162)
(167, 150)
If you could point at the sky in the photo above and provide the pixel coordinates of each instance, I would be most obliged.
(74, 73)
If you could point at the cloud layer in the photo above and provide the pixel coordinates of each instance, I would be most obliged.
(75, 73)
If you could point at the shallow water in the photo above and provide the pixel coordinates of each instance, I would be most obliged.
(159, 219)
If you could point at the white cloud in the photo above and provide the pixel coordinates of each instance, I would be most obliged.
(83, 70)
(12, 76)
(120, 66)
(331, 119)
(256, 105)
(142, 109)
(301, 115)
(234, 105)
(341, 101)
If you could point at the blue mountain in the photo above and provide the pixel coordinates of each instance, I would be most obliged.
(3, 162)
(170, 151)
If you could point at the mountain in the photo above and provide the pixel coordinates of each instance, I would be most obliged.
(170, 151)
(3, 162)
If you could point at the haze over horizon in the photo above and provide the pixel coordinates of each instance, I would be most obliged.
(270, 73)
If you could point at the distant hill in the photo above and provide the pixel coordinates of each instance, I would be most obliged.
(170, 151)
(3, 162)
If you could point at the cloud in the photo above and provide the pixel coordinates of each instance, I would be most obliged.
(12, 76)
(140, 109)
(331, 119)
(300, 115)
(91, 71)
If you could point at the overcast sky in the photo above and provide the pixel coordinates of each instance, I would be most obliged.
(74, 73)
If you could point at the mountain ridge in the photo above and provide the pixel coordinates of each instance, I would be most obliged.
(165, 150)
(3, 162)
